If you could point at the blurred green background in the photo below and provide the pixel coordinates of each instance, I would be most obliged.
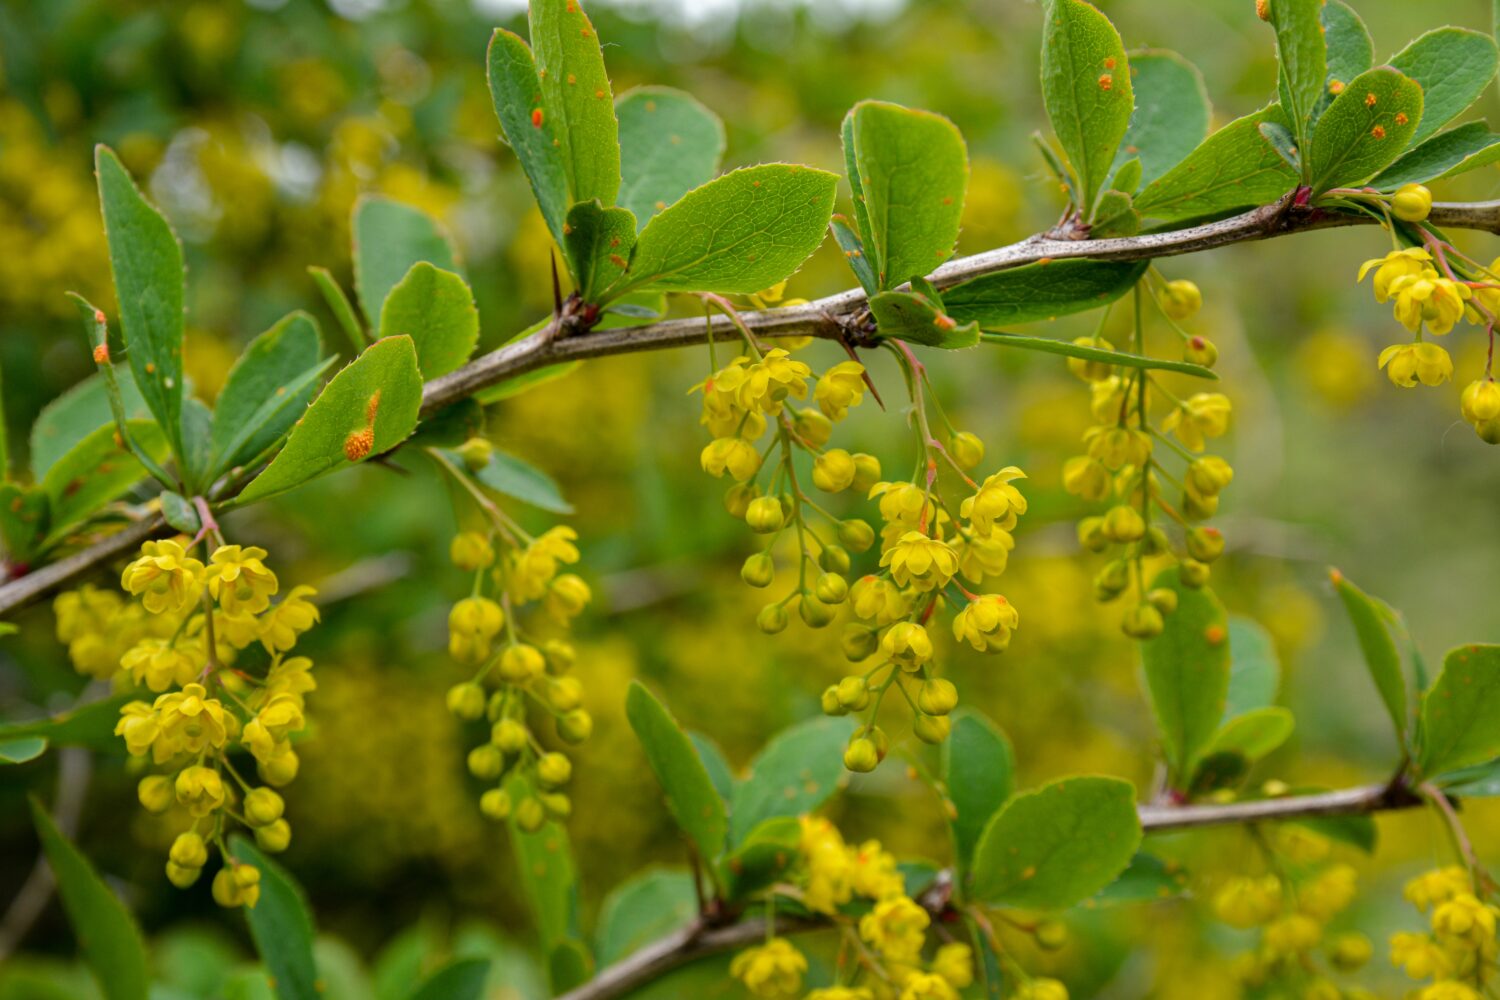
(255, 123)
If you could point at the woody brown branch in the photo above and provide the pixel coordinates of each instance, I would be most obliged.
(828, 317)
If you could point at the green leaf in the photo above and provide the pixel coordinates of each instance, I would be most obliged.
(98, 469)
(1364, 129)
(1447, 154)
(1254, 668)
(146, 260)
(977, 768)
(1128, 177)
(568, 965)
(389, 237)
(338, 304)
(515, 478)
(649, 906)
(106, 932)
(1148, 879)
(854, 252)
(264, 374)
(76, 414)
(22, 749)
(576, 95)
(282, 926)
(1171, 114)
(861, 224)
(1284, 143)
(599, 241)
(1452, 66)
(669, 144)
(435, 308)
(740, 233)
(1479, 781)
(1041, 291)
(544, 860)
(1356, 831)
(91, 725)
(714, 762)
(452, 425)
(1187, 673)
(1234, 168)
(762, 857)
(1350, 49)
(532, 133)
(281, 410)
(795, 773)
(1374, 626)
(1068, 349)
(380, 393)
(1115, 215)
(197, 444)
(1253, 735)
(1461, 711)
(179, 513)
(23, 520)
(1302, 60)
(691, 797)
(913, 171)
(1086, 88)
(462, 979)
(1058, 845)
(914, 317)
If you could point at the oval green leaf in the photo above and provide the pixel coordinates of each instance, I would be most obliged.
(977, 768)
(1234, 168)
(1375, 625)
(1086, 87)
(576, 95)
(691, 796)
(1452, 66)
(1461, 711)
(435, 308)
(267, 371)
(281, 925)
(1365, 128)
(389, 237)
(517, 96)
(669, 144)
(1171, 113)
(795, 773)
(1041, 291)
(1187, 674)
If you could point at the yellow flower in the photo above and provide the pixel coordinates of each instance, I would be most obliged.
(239, 580)
(1419, 956)
(157, 665)
(293, 616)
(1450, 989)
(1396, 264)
(1437, 886)
(200, 789)
(535, 566)
(191, 721)
(1207, 476)
(1408, 364)
(1086, 477)
(1292, 934)
(139, 726)
(165, 576)
(841, 993)
(471, 551)
(841, 387)
(473, 624)
(875, 599)
(1203, 415)
(1465, 920)
(896, 928)
(986, 623)
(955, 963)
(921, 562)
(1041, 989)
(983, 558)
(906, 504)
(772, 972)
(828, 865)
(996, 504)
(265, 736)
(1426, 297)
(875, 874)
(566, 598)
(1331, 891)
(237, 884)
(927, 986)
(1117, 447)
(732, 455)
(1480, 401)
(908, 644)
(292, 678)
(1247, 902)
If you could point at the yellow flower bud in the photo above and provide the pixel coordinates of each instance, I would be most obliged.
(866, 473)
(1200, 351)
(1111, 580)
(182, 877)
(486, 762)
(1124, 524)
(1349, 951)
(575, 726)
(772, 619)
(471, 551)
(263, 806)
(1163, 599)
(274, 837)
(831, 588)
(1480, 401)
(1091, 534)
(829, 701)
(861, 756)
(522, 662)
(858, 641)
(932, 729)
(530, 814)
(908, 644)
(812, 427)
(1193, 573)
(735, 456)
(853, 693)
(495, 804)
(189, 851)
(156, 793)
(813, 611)
(856, 535)
(1087, 370)
(476, 453)
(557, 805)
(967, 450)
(1051, 934)
(834, 559)
(466, 700)
(758, 570)
(1086, 477)
(280, 769)
(1205, 544)
(764, 515)
(833, 471)
(737, 498)
(554, 769)
(937, 697)
(1180, 299)
(1411, 203)
(1143, 621)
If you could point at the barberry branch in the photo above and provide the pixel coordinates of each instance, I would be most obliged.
(833, 317)
(701, 938)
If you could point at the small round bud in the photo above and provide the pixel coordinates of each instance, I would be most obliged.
(829, 702)
(575, 726)
(1143, 621)
(1200, 351)
(1349, 951)
(495, 803)
(759, 570)
(470, 551)
(563, 693)
(274, 837)
(856, 535)
(486, 762)
(764, 515)
(1411, 203)
(861, 756)
(814, 612)
(1155, 542)
(834, 559)
(1051, 934)
(1193, 573)
(812, 426)
(263, 806)
(558, 805)
(932, 729)
(858, 641)
(1111, 580)
(1086, 477)
(180, 876)
(466, 700)
(156, 793)
(853, 693)
(772, 619)
(1488, 431)
(1088, 369)
(833, 471)
(866, 474)
(279, 770)
(560, 656)
(881, 740)
(1091, 534)
(510, 735)
(554, 769)
(530, 814)
(937, 697)
(1124, 524)
(1180, 299)
(1163, 599)
(189, 851)
(522, 662)
(476, 453)
(1205, 544)
(831, 588)
(737, 498)
(1480, 401)
(967, 450)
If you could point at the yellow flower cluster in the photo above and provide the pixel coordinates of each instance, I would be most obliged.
(838, 879)
(1292, 918)
(1429, 294)
(182, 641)
(1459, 951)
(1123, 466)
(520, 597)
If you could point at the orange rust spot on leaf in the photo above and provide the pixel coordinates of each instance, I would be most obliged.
(101, 354)
(943, 322)
(1370, 100)
(617, 260)
(358, 444)
(1106, 81)
(536, 117)
(1215, 635)
(1401, 118)
(572, 79)
(371, 407)
(1378, 131)
(1109, 63)
(1335, 86)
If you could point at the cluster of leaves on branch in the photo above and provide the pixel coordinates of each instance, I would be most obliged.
(631, 195)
